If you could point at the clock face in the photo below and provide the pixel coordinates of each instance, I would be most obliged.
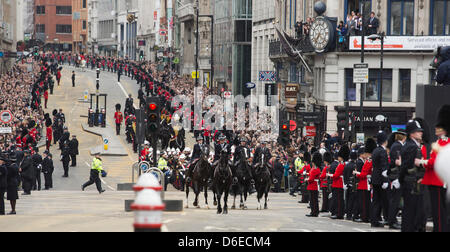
(319, 34)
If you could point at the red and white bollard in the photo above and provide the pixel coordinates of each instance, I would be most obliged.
(148, 209)
(147, 181)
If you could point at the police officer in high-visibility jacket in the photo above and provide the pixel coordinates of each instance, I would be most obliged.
(96, 170)
(298, 165)
(163, 166)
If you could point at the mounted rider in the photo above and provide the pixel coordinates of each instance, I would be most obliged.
(196, 154)
(221, 146)
(248, 156)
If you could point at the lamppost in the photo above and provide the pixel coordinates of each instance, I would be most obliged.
(361, 112)
(380, 37)
(197, 8)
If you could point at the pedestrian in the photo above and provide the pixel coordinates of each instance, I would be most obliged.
(73, 78)
(96, 170)
(27, 173)
(65, 137)
(37, 164)
(47, 169)
(118, 118)
(327, 160)
(58, 76)
(350, 188)
(13, 183)
(65, 158)
(73, 146)
(45, 98)
(3, 182)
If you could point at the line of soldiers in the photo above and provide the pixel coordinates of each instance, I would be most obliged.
(366, 183)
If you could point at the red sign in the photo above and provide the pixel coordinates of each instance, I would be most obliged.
(155, 15)
(292, 125)
(311, 131)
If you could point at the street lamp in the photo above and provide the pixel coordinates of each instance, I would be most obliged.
(375, 37)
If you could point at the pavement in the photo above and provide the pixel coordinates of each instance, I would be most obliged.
(109, 137)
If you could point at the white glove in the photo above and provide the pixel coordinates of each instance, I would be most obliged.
(345, 187)
(384, 174)
(385, 186)
(396, 184)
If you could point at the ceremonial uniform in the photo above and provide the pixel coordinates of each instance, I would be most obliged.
(118, 117)
(364, 190)
(313, 189)
(47, 169)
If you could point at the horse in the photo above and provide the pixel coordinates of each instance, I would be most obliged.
(262, 181)
(200, 175)
(243, 184)
(222, 181)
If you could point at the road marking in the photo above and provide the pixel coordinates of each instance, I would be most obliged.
(164, 228)
(110, 187)
(360, 230)
(123, 90)
(168, 221)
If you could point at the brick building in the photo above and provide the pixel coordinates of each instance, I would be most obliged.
(53, 23)
(79, 25)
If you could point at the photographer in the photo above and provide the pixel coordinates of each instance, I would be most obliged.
(442, 61)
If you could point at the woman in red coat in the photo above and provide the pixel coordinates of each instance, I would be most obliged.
(45, 98)
(313, 184)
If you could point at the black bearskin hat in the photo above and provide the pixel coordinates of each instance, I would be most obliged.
(444, 118)
(344, 152)
(313, 150)
(426, 138)
(47, 115)
(317, 159)
(353, 155)
(55, 112)
(327, 157)
(48, 122)
(31, 124)
(118, 106)
(370, 145)
(307, 157)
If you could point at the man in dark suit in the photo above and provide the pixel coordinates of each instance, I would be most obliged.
(379, 179)
(27, 173)
(47, 169)
(73, 146)
(411, 174)
(3, 182)
(373, 24)
(37, 164)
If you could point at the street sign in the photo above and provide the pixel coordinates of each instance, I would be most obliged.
(250, 85)
(6, 116)
(195, 75)
(5, 130)
(361, 73)
(360, 138)
(292, 125)
(106, 141)
(310, 131)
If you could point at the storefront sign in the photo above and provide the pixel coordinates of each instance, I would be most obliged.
(309, 117)
(269, 91)
(291, 91)
(402, 43)
(310, 131)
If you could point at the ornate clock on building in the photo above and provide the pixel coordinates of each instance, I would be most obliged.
(321, 34)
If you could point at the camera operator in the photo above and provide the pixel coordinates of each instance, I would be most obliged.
(442, 63)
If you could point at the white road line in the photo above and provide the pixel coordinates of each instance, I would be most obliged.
(360, 230)
(164, 228)
(123, 89)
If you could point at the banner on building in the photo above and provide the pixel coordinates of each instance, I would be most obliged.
(267, 76)
(401, 43)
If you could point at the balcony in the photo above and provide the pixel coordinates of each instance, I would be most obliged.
(276, 48)
(185, 12)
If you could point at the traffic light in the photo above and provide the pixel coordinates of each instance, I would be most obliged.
(153, 115)
(284, 134)
(342, 119)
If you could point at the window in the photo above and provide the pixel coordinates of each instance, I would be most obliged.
(63, 10)
(402, 17)
(404, 88)
(293, 73)
(350, 86)
(40, 28)
(440, 17)
(372, 89)
(63, 28)
(84, 24)
(84, 4)
(40, 10)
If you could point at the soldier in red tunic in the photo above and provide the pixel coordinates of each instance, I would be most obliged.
(313, 184)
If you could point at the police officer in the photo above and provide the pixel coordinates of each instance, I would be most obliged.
(37, 165)
(247, 156)
(65, 158)
(65, 137)
(380, 162)
(163, 166)
(3, 182)
(73, 146)
(47, 169)
(96, 169)
(27, 173)
(411, 174)
(398, 138)
(129, 108)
